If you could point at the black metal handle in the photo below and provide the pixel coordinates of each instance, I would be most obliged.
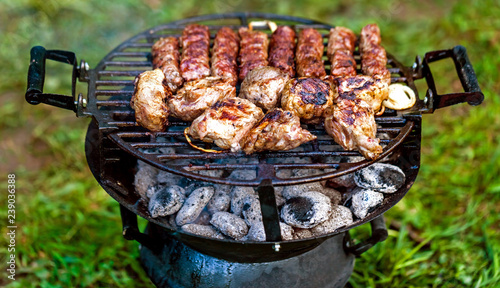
(131, 231)
(36, 78)
(379, 234)
(465, 72)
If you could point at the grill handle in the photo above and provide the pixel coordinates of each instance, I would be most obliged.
(36, 78)
(465, 72)
(379, 234)
(131, 231)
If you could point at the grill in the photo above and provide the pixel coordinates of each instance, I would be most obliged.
(115, 142)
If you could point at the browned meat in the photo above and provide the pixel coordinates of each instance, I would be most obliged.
(196, 46)
(263, 86)
(196, 96)
(341, 38)
(371, 90)
(309, 54)
(341, 45)
(224, 54)
(148, 101)
(352, 125)
(281, 50)
(373, 56)
(226, 123)
(253, 50)
(342, 64)
(166, 55)
(308, 98)
(279, 130)
(351, 121)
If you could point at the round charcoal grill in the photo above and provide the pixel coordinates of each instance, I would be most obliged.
(115, 142)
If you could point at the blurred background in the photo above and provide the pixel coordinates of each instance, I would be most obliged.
(444, 233)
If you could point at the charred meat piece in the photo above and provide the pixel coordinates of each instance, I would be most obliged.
(226, 123)
(148, 101)
(352, 119)
(253, 50)
(308, 98)
(196, 96)
(369, 89)
(279, 130)
(373, 55)
(196, 46)
(341, 45)
(281, 50)
(263, 86)
(224, 55)
(309, 54)
(166, 55)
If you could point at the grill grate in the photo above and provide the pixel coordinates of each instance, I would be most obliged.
(111, 87)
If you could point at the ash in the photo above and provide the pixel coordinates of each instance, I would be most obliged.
(233, 212)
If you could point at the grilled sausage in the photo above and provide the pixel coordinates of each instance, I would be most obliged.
(196, 45)
(224, 54)
(166, 55)
(281, 50)
(373, 55)
(341, 45)
(309, 54)
(253, 50)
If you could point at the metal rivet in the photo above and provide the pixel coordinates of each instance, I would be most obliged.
(276, 247)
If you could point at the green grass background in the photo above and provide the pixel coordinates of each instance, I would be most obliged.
(69, 231)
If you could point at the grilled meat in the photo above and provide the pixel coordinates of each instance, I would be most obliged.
(278, 130)
(166, 55)
(341, 45)
(263, 86)
(281, 50)
(309, 54)
(196, 45)
(308, 98)
(196, 96)
(226, 123)
(373, 56)
(351, 120)
(224, 54)
(148, 101)
(253, 50)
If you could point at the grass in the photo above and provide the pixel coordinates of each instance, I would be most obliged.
(69, 228)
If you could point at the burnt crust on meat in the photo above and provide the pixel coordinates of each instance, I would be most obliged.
(308, 98)
(281, 50)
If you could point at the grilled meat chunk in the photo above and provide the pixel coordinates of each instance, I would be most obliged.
(226, 123)
(281, 50)
(351, 121)
(166, 55)
(196, 96)
(196, 46)
(373, 55)
(253, 50)
(309, 54)
(278, 130)
(341, 45)
(308, 98)
(263, 86)
(224, 55)
(148, 101)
